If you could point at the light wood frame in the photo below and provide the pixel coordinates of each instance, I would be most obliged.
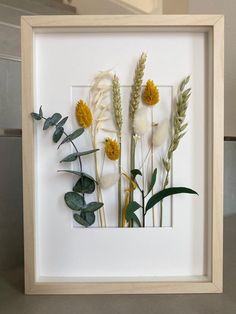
(215, 24)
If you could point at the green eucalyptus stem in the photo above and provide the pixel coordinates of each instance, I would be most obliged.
(73, 144)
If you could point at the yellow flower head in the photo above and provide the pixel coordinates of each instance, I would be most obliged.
(151, 94)
(83, 114)
(112, 149)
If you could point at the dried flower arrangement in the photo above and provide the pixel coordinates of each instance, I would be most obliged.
(92, 116)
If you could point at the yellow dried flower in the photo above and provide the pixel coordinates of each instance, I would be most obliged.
(112, 149)
(83, 114)
(151, 94)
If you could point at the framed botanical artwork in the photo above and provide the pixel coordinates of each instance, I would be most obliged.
(123, 154)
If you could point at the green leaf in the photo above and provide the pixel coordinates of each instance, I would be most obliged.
(132, 207)
(156, 198)
(47, 123)
(80, 220)
(78, 173)
(56, 117)
(35, 116)
(135, 219)
(62, 122)
(40, 112)
(71, 157)
(74, 200)
(153, 180)
(57, 134)
(89, 217)
(72, 136)
(136, 172)
(85, 185)
(92, 207)
(87, 152)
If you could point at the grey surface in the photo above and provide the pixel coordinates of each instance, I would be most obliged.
(11, 209)
(10, 94)
(230, 178)
(12, 299)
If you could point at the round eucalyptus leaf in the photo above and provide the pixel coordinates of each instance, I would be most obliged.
(92, 207)
(84, 185)
(74, 200)
(57, 134)
(88, 217)
(78, 218)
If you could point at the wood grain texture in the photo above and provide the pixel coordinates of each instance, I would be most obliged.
(218, 149)
(28, 154)
(121, 20)
(33, 286)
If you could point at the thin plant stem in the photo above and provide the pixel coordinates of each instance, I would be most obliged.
(120, 224)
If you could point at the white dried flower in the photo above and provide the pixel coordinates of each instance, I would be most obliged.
(108, 180)
(160, 133)
(140, 123)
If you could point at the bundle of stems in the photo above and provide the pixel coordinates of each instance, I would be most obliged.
(98, 93)
(134, 104)
(119, 122)
(179, 128)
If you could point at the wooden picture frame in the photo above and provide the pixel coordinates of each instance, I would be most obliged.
(213, 25)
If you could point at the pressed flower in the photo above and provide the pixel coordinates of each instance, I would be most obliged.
(108, 180)
(112, 149)
(151, 94)
(83, 114)
(140, 124)
(160, 133)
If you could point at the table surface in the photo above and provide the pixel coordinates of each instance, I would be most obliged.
(13, 300)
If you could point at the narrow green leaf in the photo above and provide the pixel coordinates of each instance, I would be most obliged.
(40, 112)
(132, 207)
(71, 157)
(92, 207)
(56, 117)
(156, 198)
(62, 122)
(57, 134)
(80, 220)
(72, 136)
(35, 116)
(85, 185)
(153, 181)
(74, 200)
(136, 172)
(135, 219)
(47, 123)
(87, 152)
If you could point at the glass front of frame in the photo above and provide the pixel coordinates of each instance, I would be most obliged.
(172, 245)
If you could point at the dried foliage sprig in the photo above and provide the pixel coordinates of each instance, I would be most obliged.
(99, 91)
(117, 103)
(133, 206)
(137, 85)
(151, 94)
(134, 104)
(75, 200)
(179, 126)
(116, 97)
